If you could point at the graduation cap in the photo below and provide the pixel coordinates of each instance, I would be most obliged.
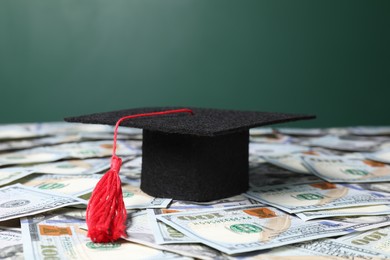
(193, 154)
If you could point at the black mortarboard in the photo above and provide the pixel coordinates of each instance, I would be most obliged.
(198, 157)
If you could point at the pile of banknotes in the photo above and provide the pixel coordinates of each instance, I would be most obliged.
(314, 193)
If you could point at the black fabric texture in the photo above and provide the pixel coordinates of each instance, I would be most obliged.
(194, 168)
(204, 122)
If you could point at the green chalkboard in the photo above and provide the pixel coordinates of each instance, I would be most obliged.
(62, 58)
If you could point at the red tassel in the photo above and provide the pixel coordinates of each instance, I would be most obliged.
(106, 212)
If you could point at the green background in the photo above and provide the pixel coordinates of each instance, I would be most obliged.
(62, 58)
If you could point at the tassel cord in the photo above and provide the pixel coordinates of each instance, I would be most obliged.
(106, 212)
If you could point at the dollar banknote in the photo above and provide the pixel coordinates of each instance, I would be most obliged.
(341, 169)
(93, 149)
(335, 142)
(302, 131)
(18, 201)
(75, 185)
(373, 210)
(69, 167)
(135, 198)
(291, 161)
(11, 246)
(19, 131)
(35, 155)
(316, 196)
(329, 249)
(379, 156)
(377, 240)
(90, 136)
(262, 167)
(58, 128)
(165, 234)
(10, 174)
(369, 131)
(249, 228)
(82, 150)
(265, 174)
(258, 131)
(140, 231)
(381, 140)
(220, 203)
(134, 163)
(260, 149)
(35, 142)
(132, 168)
(271, 139)
(60, 237)
(379, 186)
(321, 249)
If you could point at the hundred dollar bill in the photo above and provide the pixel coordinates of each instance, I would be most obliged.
(263, 149)
(318, 249)
(221, 203)
(18, 201)
(30, 143)
(256, 131)
(381, 140)
(90, 136)
(75, 185)
(377, 240)
(11, 246)
(335, 142)
(135, 198)
(87, 166)
(333, 249)
(263, 167)
(35, 155)
(248, 228)
(302, 131)
(60, 237)
(364, 223)
(71, 167)
(67, 151)
(339, 169)
(92, 149)
(19, 131)
(379, 156)
(291, 161)
(140, 231)
(265, 174)
(380, 186)
(165, 234)
(10, 174)
(369, 131)
(352, 211)
(57, 128)
(132, 168)
(271, 139)
(316, 196)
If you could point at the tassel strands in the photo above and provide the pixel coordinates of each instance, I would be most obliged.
(106, 212)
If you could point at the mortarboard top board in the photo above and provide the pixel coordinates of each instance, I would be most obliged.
(198, 157)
